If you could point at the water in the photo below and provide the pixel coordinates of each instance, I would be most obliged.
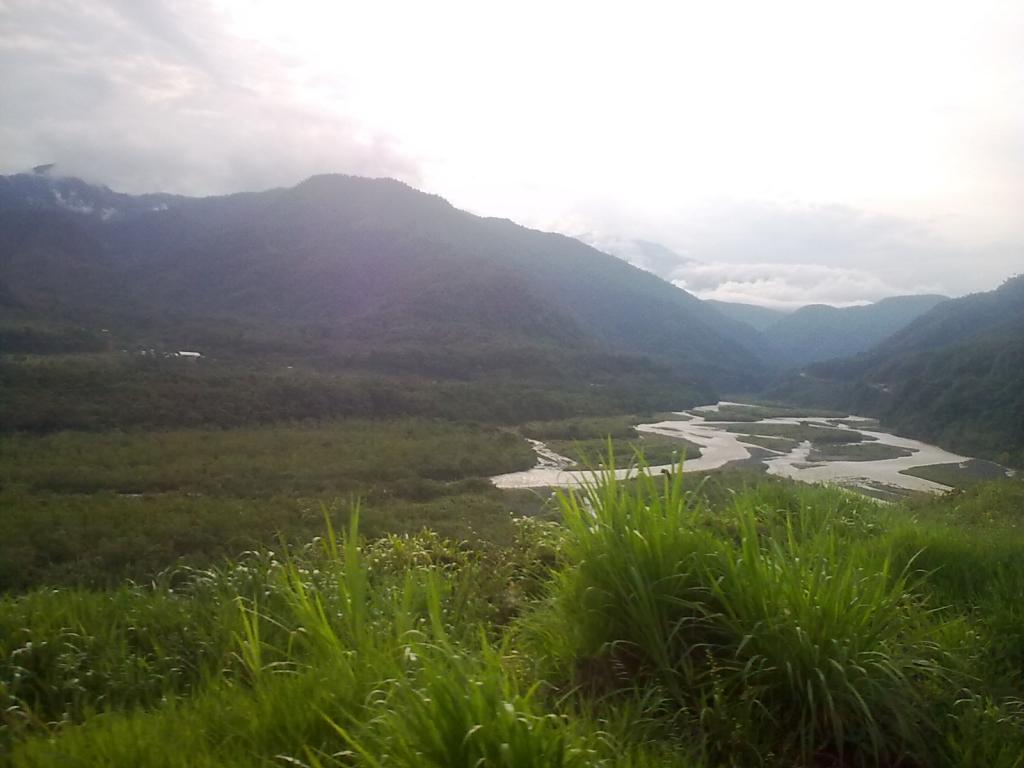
(720, 447)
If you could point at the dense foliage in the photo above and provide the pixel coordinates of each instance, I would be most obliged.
(955, 376)
(96, 508)
(777, 625)
(821, 332)
(342, 259)
(92, 392)
(175, 593)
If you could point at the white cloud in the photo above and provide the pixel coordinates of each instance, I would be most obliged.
(791, 255)
(787, 286)
(146, 95)
(882, 140)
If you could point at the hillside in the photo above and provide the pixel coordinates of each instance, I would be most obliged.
(955, 376)
(820, 332)
(359, 264)
(758, 318)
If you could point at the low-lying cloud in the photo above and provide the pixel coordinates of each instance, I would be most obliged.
(147, 96)
(788, 256)
(787, 286)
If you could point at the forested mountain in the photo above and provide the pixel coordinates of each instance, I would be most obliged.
(820, 332)
(356, 263)
(758, 318)
(954, 375)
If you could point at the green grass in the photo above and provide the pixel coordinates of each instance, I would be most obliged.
(656, 449)
(101, 539)
(800, 432)
(863, 423)
(780, 620)
(668, 416)
(856, 452)
(586, 441)
(252, 385)
(93, 509)
(783, 444)
(963, 475)
(597, 428)
(755, 412)
(340, 457)
(733, 620)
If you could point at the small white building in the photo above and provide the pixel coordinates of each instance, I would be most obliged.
(189, 355)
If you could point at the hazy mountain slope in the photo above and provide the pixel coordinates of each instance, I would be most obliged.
(820, 332)
(355, 259)
(758, 318)
(955, 375)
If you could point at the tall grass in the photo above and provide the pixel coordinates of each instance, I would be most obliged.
(777, 625)
(825, 643)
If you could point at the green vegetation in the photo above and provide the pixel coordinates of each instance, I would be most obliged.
(338, 458)
(174, 592)
(597, 428)
(800, 432)
(95, 508)
(954, 377)
(962, 475)
(586, 441)
(368, 272)
(756, 412)
(857, 423)
(122, 391)
(100, 539)
(821, 332)
(783, 444)
(856, 452)
(656, 449)
(765, 623)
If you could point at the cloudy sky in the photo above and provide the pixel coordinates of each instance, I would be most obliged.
(779, 153)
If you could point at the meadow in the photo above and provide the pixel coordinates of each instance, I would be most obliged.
(726, 621)
(587, 440)
(95, 508)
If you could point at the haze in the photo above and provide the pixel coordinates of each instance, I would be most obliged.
(779, 153)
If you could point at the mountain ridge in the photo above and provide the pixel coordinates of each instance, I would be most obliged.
(954, 375)
(364, 257)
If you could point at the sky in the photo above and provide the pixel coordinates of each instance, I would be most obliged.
(778, 153)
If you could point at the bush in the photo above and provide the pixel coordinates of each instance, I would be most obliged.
(776, 626)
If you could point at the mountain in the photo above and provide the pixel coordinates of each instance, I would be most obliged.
(42, 192)
(779, 339)
(820, 332)
(360, 264)
(758, 318)
(955, 375)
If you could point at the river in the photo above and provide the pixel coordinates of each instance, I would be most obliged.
(720, 447)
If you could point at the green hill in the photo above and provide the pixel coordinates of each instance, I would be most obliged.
(955, 375)
(360, 264)
(820, 332)
(758, 318)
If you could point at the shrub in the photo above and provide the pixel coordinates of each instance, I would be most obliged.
(774, 625)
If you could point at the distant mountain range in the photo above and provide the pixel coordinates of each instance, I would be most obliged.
(758, 318)
(373, 274)
(820, 332)
(954, 375)
(781, 338)
(357, 262)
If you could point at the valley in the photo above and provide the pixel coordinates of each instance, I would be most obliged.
(511, 385)
(845, 450)
(309, 473)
